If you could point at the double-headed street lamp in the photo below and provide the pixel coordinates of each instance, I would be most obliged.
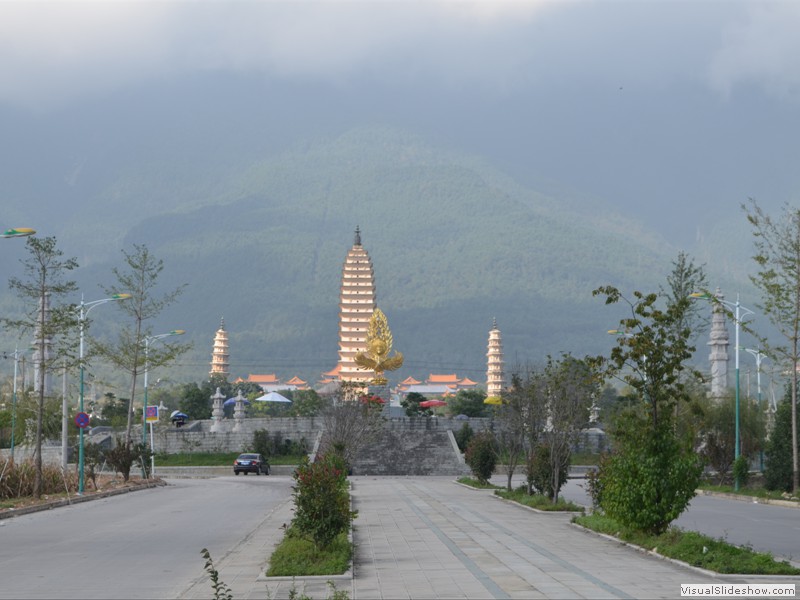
(759, 356)
(739, 311)
(16, 232)
(85, 307)
(147, 340)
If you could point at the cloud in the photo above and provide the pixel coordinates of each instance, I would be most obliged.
(58, 50)
(761, 48)
(66, 48)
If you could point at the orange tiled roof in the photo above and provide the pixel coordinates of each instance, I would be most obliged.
(410, 381)
(433, 378)
(271, 378)
(467, 382)
(296, 381)
(333, 372)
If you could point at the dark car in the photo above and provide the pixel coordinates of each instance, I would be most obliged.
(251, 463)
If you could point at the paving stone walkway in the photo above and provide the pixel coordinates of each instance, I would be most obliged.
(429, 537)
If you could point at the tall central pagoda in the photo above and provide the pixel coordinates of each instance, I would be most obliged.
(356, 305)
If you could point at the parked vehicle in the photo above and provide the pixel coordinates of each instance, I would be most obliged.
(251, 463)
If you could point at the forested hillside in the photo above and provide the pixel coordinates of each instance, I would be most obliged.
(455, 243)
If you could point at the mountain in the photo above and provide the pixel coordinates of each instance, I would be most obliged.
(260, 240)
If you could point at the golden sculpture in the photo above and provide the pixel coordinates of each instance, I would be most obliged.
(379, 345)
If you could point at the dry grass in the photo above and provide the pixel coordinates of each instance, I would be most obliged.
(16, 484)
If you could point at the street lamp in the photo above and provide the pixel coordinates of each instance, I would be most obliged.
(147, 340)
(85, 307)
(16, 232)
(759, 356)
(739, 311)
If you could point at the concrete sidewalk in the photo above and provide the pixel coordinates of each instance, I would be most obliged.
(429, 537)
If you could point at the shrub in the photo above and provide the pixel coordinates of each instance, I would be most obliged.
(463, 436)
(481, 456)
(539, 471)
(322, 501)
(778, 471)
(648, 482)
(741, 470)
(122, 457)
(261, 443)
(18, 478)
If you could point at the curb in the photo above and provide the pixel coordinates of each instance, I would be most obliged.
(680, 563)
(750, 499)
(18, 512)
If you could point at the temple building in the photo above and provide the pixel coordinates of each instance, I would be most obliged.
(494, 358)
(436, 385)
(219, 355)
(356, 304)
(272, 383)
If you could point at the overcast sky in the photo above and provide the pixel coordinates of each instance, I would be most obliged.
(54, 51)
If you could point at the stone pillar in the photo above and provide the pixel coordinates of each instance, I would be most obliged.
(217, 413)
(238, 412)
(718, 342)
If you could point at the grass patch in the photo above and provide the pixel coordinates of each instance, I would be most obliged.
(298, 556)
(584, 458)
(215, 459)
(751, 492)
(538, 501)
(472, 482)
(695, 549)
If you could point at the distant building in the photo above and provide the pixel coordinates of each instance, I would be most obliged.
(219, 355)
(356, 304)
(495, 376)
(271, 383)
(436, 385)
(718, 344)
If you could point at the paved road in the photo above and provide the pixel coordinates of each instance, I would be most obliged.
(763, 527)
(144, 544)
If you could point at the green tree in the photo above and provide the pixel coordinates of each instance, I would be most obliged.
(53, 325)
(468, 402)
(411, 404)
(139, 278)
(481, 456)
(653, 473)
(195, 402)
(685, 279)
(777, 244)
(307, 403)
(778, 453)
(717, 418)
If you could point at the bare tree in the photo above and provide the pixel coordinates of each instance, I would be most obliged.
(139, 279)
(51, 323)
(571, 387)
(520, 421)
(350, 423)
(777, 243)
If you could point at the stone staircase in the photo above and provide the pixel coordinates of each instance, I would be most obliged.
(411, 447)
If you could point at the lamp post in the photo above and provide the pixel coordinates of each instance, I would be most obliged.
(759, 356)
(85, 307)
(739, 311)
(147, 340)
(16, 232)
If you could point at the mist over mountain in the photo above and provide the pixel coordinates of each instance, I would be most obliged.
(502, 161)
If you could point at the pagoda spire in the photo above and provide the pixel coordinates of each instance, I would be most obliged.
(718, 344)
(219, 354)
(494, 363)
(357, 302)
